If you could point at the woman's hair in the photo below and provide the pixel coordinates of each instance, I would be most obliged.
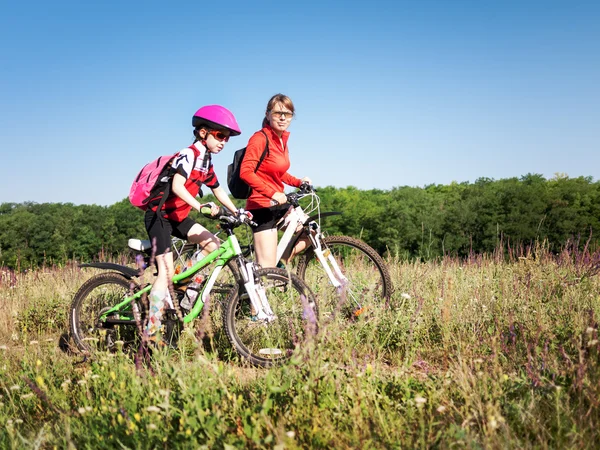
(278, 98)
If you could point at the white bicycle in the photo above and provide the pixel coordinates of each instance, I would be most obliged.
(345, 273)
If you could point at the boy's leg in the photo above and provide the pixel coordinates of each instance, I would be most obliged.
(159, 231)
(197, 234)
(159, 297)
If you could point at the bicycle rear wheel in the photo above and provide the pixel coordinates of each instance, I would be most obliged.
(265, 344)
(94, 297)
(369, 282)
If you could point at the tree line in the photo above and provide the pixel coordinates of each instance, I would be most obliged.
(458, 219)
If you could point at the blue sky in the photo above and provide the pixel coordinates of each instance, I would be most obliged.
(387, 93)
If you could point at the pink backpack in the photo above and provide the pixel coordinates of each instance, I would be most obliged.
(147, 180)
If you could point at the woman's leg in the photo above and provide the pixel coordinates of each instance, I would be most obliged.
(265, 246)
(298, 248)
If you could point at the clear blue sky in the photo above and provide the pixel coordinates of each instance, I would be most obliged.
(387, 93)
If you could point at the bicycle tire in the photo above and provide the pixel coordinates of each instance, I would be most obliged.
(100, 292)
(267, 344)
(369, 282)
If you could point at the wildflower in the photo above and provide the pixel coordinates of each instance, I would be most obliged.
(3, 347)
(95, 376)
(152, 426)
(137, 417)
(18, 421)
(113, 375)
(592, 342)
(33, 342)
(50, 340)
(590, 330)
(39, 381)
(81, 382)
(405, 296)
(29, 395)
(478, 361)
(420, 401)
(38, 363)
(153, 409)
(15, 387)
(81, 410)
(290, 434)
(441, 409)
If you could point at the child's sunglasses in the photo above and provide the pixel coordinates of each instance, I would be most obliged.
(219, 135)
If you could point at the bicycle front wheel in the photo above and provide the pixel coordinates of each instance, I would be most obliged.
(94, 297)
(369, 282)
(268, 343)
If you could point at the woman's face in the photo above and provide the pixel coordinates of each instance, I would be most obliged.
(216, 140)
(279, 117)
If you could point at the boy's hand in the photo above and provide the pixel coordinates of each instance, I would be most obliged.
(214, 209)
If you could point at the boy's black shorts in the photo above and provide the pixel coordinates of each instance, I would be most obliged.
(160, 230)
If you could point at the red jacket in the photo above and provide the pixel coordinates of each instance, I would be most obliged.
(272, 173)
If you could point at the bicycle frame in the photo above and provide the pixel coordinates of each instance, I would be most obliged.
(295, 218)
(229, 249)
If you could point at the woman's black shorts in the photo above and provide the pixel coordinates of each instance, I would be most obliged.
(267, 218)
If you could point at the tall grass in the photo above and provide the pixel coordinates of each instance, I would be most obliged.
(497, 351)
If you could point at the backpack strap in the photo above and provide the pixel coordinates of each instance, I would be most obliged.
(169, 182)
(264, 153)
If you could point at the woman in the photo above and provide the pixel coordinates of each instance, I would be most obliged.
(191, 167)
(267, 202)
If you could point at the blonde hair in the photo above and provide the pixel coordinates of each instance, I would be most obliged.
(278, 98)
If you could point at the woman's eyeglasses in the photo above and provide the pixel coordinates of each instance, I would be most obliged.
(286, 115)
(219, 135)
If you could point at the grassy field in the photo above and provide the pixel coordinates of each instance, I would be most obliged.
(492, 352)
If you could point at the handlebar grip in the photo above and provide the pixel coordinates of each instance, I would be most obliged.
(207, 212)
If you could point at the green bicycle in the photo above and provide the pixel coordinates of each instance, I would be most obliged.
(267, 313)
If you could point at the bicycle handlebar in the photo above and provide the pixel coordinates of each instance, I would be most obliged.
(303, 190)
(226, 217)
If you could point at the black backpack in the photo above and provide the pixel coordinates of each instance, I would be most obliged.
(238, 188)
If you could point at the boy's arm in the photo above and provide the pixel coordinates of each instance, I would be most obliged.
(178, 188)
(224, 199)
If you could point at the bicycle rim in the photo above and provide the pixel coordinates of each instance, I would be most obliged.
(369, 283)
(96, 296)
(265, 344)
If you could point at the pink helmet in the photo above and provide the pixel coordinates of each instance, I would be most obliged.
(216, 116)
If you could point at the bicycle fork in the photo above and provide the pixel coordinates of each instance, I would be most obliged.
(256, 293)
(330, 265)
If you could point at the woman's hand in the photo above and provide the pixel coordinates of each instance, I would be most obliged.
(279, 198)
